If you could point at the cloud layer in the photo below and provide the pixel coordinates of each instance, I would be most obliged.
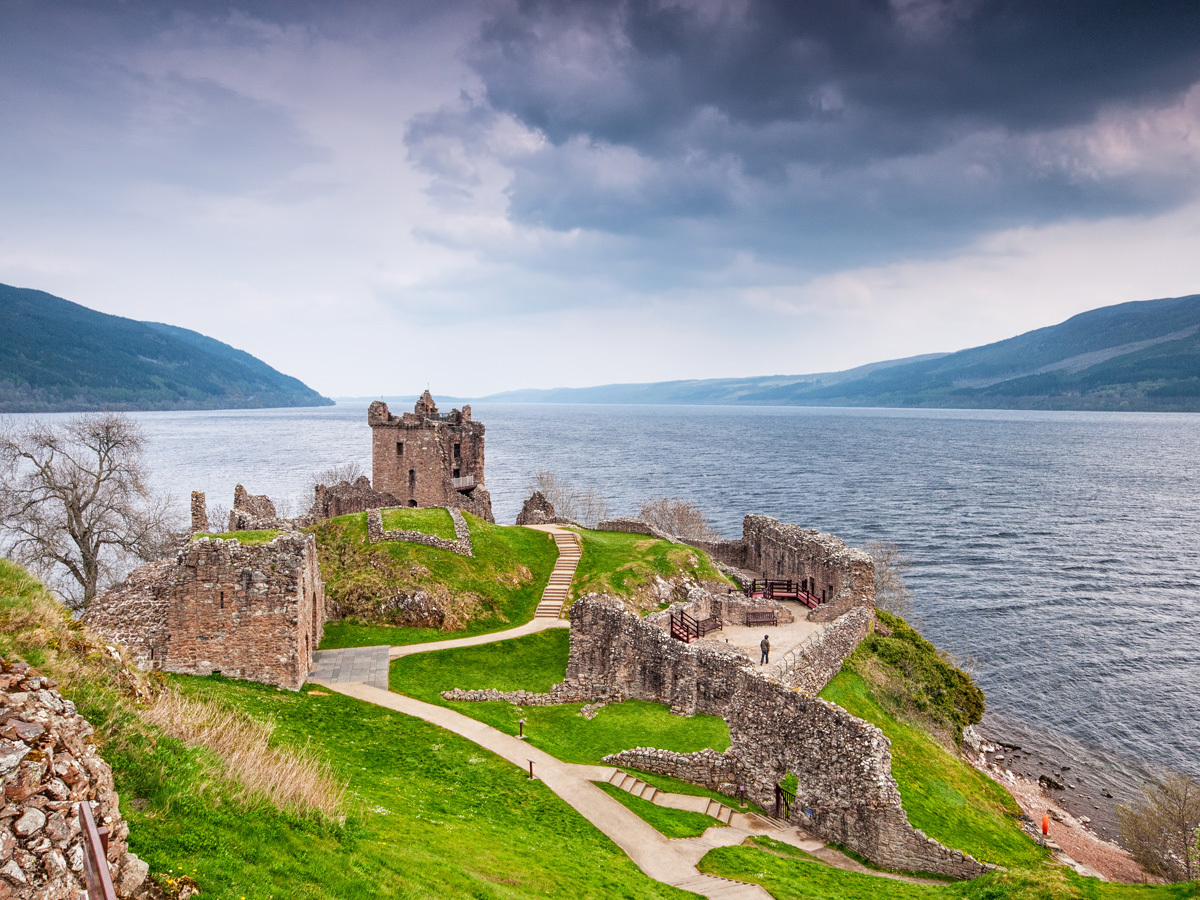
(867, 179)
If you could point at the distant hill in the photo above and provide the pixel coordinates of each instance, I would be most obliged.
(59, 356)
(1141, 356)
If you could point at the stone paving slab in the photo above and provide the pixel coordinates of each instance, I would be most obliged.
(362, 665)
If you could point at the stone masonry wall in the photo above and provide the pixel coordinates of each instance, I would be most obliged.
(636, 526)
(812, 665)
(134, 613)
(822, 563)
(460, 545)
(48, 765)
(252, 612)
(846, 791)
(416, 456)
(344, 498)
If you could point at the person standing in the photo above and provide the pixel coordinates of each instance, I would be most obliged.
(765, 647)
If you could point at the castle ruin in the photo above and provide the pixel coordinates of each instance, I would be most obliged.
(248, 611)
(426, 458)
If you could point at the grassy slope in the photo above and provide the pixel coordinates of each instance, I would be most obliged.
(619, 563)
(497, 589)
(673, 823)
(434, 520)
(790, 874)
(535, 663)
(943, 796)
(432, 814)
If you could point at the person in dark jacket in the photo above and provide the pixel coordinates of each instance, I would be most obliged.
(765, 647)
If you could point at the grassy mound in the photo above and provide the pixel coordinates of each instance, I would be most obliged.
(625, 565)
(497, 589)
(535, 663)
(434, 520)
(790, 874)
(672, 823)
(429, 814)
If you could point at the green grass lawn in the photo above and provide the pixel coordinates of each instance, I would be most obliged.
(672, 823)
(434, 520)
(429, 814)
(623, 564)
(535, 663)
(943, 796)
(790, 874)
(249, 538)
(497, 589)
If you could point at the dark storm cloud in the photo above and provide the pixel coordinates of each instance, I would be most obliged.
(851, 129)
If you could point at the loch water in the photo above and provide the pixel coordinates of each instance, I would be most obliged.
(1057, 554)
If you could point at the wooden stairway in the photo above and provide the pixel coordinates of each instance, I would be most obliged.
(555, 594)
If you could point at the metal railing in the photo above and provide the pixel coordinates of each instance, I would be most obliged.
(463, 483)
(95, 857)
(784, 801)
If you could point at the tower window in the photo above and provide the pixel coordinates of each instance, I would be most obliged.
(412, 479)
(458, 451)
(399, 448)
(457, 473)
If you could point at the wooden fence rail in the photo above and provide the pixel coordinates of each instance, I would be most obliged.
(95, 857)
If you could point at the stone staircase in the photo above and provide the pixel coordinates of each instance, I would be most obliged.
(639, 788)
(555, 595)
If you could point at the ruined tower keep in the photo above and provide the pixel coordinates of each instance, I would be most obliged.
(429, 459)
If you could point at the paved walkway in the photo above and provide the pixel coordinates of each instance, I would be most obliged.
(569, 552)
(368, 665)
(670, 861)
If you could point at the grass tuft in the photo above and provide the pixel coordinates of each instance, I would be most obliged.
(249, 538)
(294, 779)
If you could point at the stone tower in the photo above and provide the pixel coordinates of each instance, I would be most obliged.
(429, 459)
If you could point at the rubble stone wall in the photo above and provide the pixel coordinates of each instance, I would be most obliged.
(822, 563)
(48, 766)
(846, 791)
(252, 612)
(344, 498)
(636, 526)
(812, 665)
(460, 545)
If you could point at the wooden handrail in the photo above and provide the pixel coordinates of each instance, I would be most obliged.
(95, 861)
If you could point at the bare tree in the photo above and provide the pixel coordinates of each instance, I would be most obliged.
(74, 503)
(582, 505)
(678, 517)
(1161, 831)
(891, 593)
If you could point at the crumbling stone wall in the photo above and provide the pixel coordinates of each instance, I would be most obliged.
(252, 612)
(344, 498)
(134, 613)
(537, 510)
(48, 765)
(846, 791)
(812, 665)
(707, 768)
(460, 545)
(822, 563)
(428, 459)
(199, 512)
(636, 526)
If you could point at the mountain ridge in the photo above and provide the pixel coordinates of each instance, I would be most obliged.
(60, 356)
(1142, 355)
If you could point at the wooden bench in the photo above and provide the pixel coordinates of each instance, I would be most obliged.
(712, 623)
(762, 617)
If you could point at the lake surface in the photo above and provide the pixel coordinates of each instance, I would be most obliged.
(1058, 554)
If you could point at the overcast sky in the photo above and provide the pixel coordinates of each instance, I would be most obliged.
(486, 196)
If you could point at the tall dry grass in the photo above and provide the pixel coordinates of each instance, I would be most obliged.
(295, 780)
